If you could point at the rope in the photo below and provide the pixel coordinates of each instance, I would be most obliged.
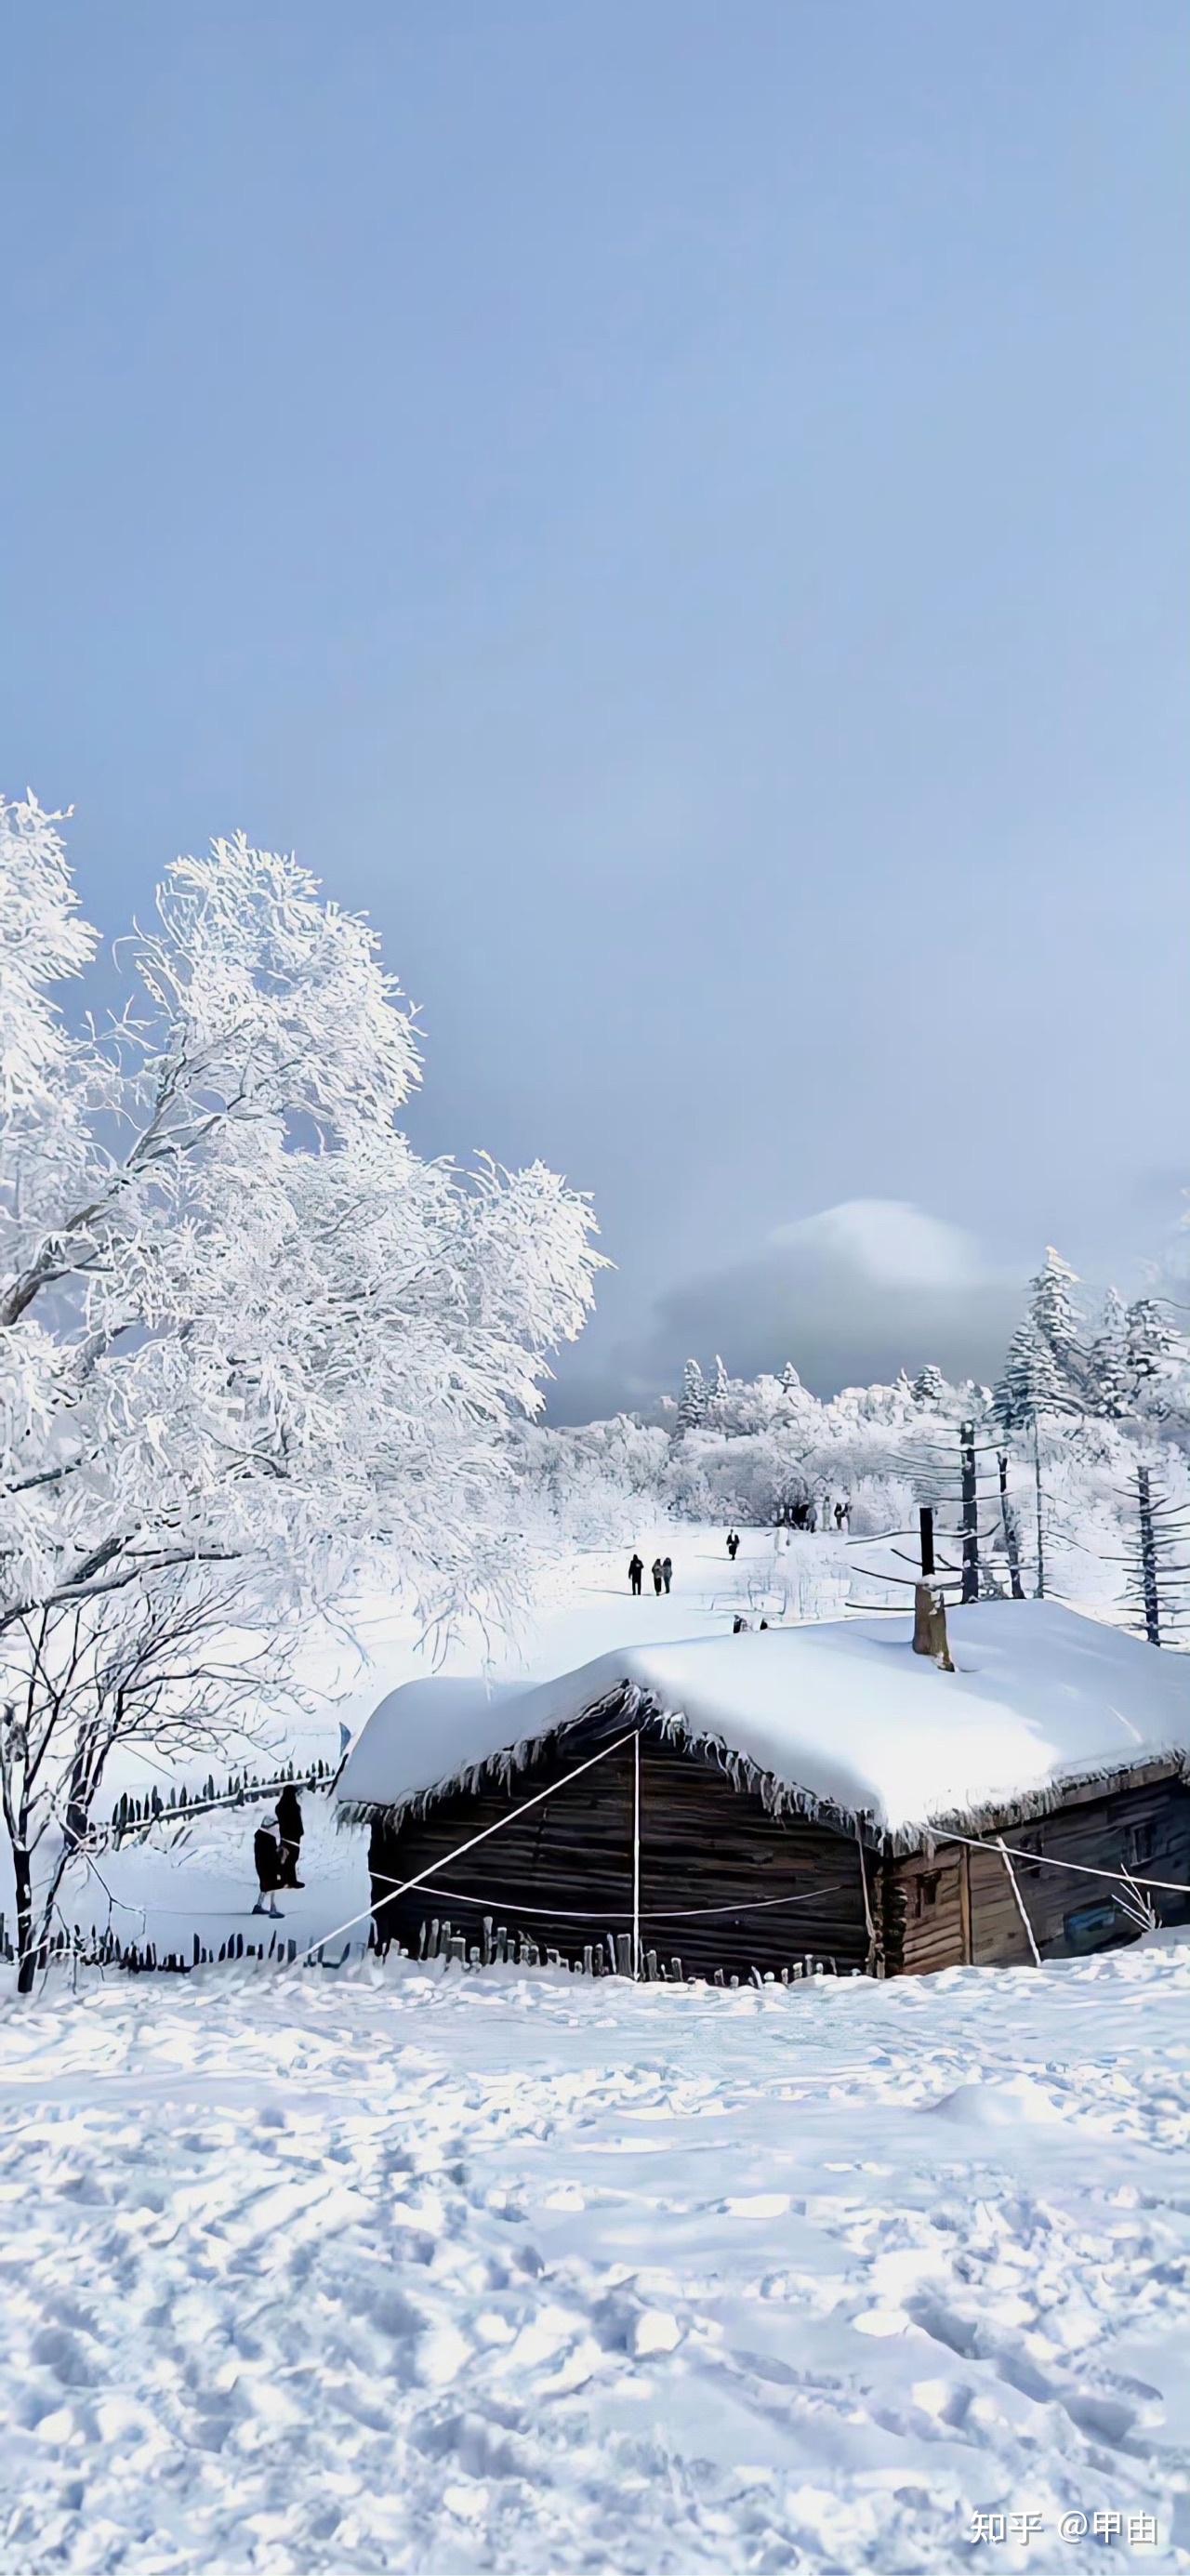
(565, 1914)
(1047, 1860)
(423, 1874)
(1030, 1935)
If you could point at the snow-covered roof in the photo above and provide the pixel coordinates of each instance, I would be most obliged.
(839, 1715)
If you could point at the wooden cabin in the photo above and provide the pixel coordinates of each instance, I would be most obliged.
(813, 1796)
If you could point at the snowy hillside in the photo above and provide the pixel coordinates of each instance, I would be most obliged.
(404, 2270)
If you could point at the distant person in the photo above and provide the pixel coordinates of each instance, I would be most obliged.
(811, 1516)
(840, 1515)
(733, 1544)
(290, 1829)
(738, 1626)
(266, 1852)
(636, 1568)
(667, 1571)
(764, 1623)
(658, 1576)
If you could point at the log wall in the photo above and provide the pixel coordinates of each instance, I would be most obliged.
(957, 1904)
(560, 1876)
(703, 1844)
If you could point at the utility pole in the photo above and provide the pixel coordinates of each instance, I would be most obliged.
(970, 1589)
(1148, 1559)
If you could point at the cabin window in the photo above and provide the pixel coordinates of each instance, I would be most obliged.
(1139, 1843)
(926, 1891)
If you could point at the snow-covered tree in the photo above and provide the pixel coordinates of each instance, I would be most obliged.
(790, 1381)
(1032, 1385)
(1109, 1388)
(249, 1340)
(692, 1403)
(1152, 1348)
(1052, 1315)
(929, 1386)
(720, 1383)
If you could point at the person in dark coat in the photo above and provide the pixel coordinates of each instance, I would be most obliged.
(733, 1545)
(636, 1568)
(667, 1571)
(266, 1852)
(290, 1828)
(658, 1576)
(739, 1626)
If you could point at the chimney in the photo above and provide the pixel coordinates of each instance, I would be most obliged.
(929, 1626)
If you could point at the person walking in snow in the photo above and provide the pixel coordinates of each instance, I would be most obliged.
(658, 1576)
(266, 1853)
(667, 1571)
(733, 1544)
(636, 1567)
(290, 1829)
(739, 1627)
(840, 1515)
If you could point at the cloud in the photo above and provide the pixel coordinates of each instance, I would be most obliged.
(849, 1295)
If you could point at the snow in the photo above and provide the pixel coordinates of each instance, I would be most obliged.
(409, 2270)
(840, 1712)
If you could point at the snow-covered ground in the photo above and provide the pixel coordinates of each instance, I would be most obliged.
(409, 2270)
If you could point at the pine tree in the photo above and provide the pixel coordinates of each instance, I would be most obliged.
(1150, 1347)
(929, 1386)
(790, 1381)
(1051, 1312)
(1032, 1384)
(1109, 1385)
(692, 1403)
(721, 1386)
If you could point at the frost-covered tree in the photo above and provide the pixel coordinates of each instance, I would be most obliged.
(790, 1381)
(249, 1340)
(1052, 1315)
(929, 1386)
(720, 1383)
(1109, 1387)
(1151, 1349)
(1032, 1385)
(692, 1403)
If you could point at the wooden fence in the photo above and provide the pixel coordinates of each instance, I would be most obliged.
(131, 1816)
(95, 1949)
(609, 1956)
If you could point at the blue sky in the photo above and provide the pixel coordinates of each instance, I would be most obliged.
(680, 512)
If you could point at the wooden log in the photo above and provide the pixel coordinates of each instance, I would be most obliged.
(588, 1960)
(623, 1954)
(651, 1966)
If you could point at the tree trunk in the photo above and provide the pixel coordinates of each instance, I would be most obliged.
(1011, 1540)
(970, 1591)
(22, 1870)
(1148, 1559)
